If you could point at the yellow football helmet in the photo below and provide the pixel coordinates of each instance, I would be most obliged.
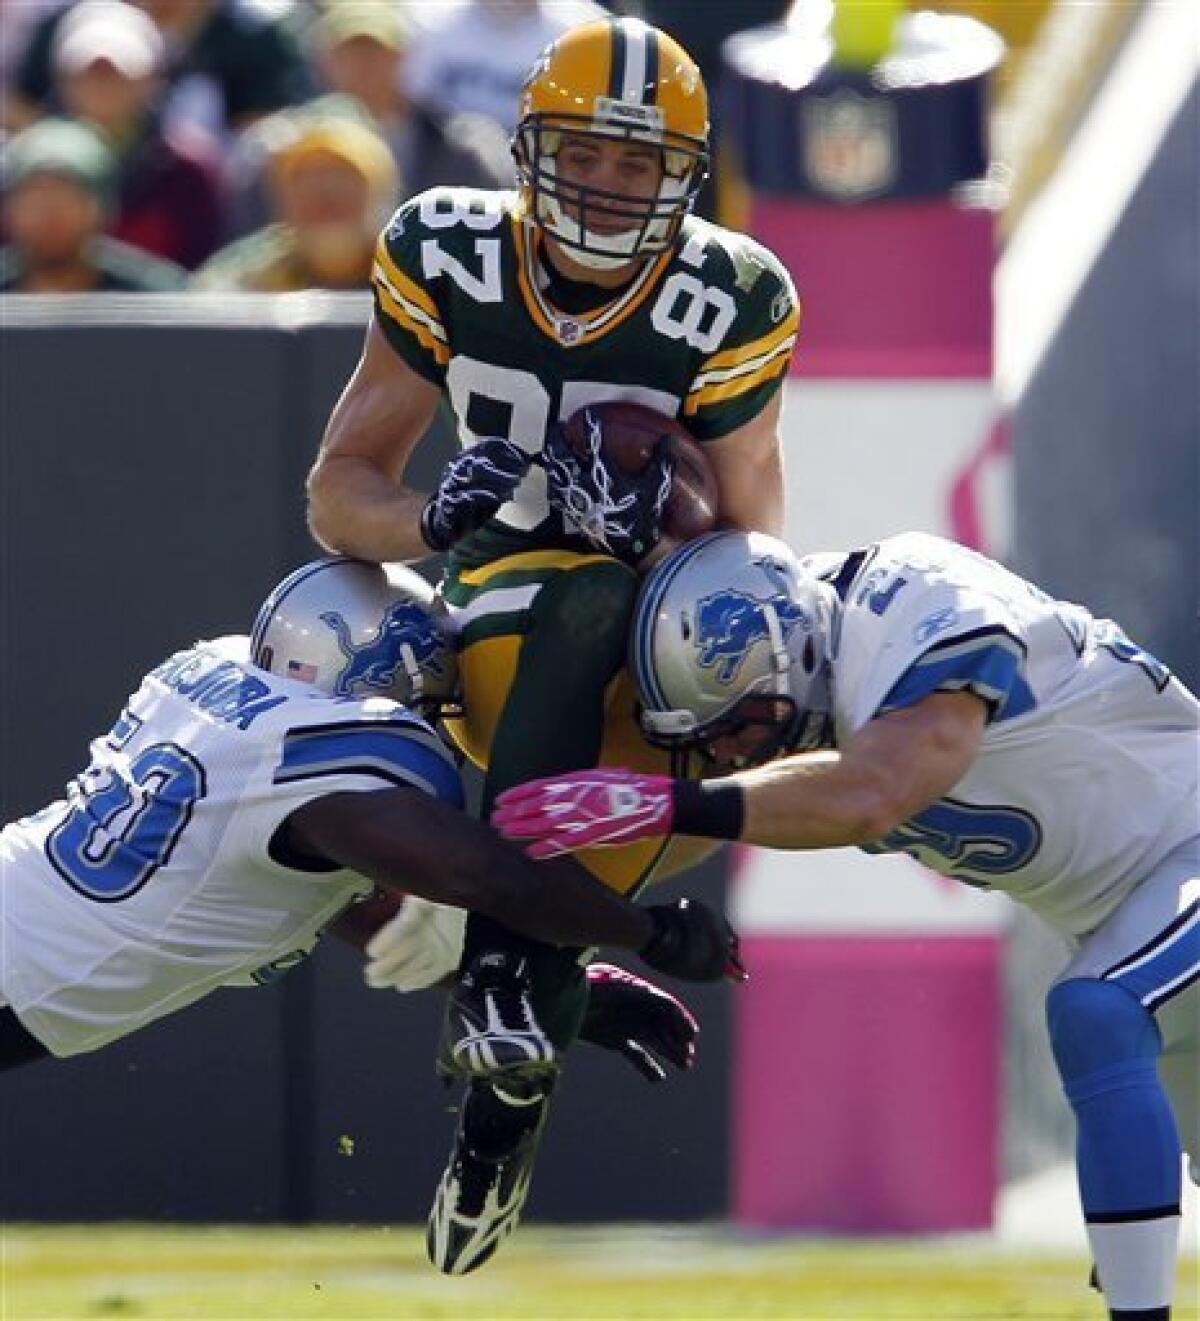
(617, 79)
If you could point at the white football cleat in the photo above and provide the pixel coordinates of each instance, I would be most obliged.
(490, 1030)
(483, 1190)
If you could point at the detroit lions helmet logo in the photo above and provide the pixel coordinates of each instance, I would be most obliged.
(373, 664)
(729, 623)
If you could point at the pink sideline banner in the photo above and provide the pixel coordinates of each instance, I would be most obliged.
(891, 291)
(867, 1070)
(868, 1040)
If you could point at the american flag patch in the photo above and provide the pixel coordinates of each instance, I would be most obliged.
(301, 672)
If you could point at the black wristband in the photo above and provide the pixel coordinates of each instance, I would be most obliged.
(712, 809)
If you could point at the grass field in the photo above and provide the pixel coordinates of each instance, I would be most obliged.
(574, 1275)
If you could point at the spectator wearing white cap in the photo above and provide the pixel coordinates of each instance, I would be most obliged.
(108, 61)
(227, 62)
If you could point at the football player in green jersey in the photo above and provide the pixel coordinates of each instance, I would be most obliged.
(591, 282)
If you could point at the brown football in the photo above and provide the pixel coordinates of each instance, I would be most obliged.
(629, 433)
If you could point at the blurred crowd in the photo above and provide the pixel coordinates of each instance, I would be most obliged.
(261, 144)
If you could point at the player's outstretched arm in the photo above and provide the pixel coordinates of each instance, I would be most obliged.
(890, 769)
(356, 501)
(405, 840)
(893, 767)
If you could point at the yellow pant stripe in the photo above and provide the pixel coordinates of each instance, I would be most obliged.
(528, 561)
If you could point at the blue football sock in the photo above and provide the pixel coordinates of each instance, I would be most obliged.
(1106, 1045)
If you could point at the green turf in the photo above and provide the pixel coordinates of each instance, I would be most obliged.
(630, 1272)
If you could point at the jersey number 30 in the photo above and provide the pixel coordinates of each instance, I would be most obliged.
(120, 830)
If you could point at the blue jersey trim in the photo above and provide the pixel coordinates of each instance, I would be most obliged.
(989, 663)
(841, 577)
(405, 755)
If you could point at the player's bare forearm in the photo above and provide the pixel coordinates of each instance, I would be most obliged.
(405, 840)
(890, 769)
(358, 923)
(355, 509)
(357, 503)
(749, 468)
(813, 801)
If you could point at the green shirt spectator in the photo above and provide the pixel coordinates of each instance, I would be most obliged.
(57, 180)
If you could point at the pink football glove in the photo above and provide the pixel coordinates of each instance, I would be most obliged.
(585, 809)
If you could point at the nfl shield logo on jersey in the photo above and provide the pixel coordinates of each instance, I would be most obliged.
(849, 145)
(569, 330)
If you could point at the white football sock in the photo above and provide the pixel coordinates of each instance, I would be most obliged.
(1135, 1261)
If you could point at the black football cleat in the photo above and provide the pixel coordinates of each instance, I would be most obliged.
(483, 1190)
(490, 1030)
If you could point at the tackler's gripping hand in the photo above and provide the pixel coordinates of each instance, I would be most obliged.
(585, 809)
(417, 948)
(694, 943)
(474, 484)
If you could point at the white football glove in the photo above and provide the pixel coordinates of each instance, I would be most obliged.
(417, 948)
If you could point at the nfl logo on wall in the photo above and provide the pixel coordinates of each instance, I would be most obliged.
(850, 145)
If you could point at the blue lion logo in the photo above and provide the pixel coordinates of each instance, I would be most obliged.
(373, 664)
(728, 624)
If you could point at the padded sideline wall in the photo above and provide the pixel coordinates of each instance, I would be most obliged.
(1107, 432)
(1105, 412)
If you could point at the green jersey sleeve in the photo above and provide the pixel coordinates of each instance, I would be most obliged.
(406, 304)
(734, 384)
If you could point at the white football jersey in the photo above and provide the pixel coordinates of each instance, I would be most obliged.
(1087, 773)
(158, 877)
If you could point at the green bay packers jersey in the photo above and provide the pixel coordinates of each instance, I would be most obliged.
(703, 332)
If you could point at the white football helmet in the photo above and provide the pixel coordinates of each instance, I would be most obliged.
(354, 629)
(731, 634)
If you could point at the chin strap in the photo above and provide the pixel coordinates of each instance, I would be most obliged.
(780, 661)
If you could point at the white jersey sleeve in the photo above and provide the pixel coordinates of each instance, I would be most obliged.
(163, 874)
(1087, 773)
(922, 615)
